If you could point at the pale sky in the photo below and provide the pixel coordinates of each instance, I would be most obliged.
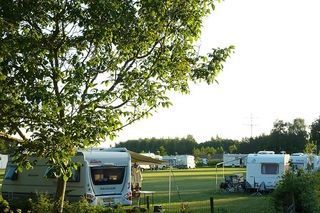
(273, 74)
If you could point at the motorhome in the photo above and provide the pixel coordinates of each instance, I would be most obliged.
(103, 177)
(265, 169)
(234, 160)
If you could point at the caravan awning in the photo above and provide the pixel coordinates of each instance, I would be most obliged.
(144, 160)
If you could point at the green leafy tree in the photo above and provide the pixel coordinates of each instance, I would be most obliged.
(75, 72)
(233, 149)
(162, 151)
(297, 189)
(310, 148)
(315, 133)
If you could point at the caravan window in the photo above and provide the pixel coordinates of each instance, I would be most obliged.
(107, 175)
(270, 168)
(12, 173)
(75, 177)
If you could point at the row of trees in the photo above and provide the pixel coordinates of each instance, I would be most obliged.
(284, 136)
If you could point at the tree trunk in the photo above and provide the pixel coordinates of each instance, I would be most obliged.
(60, 194)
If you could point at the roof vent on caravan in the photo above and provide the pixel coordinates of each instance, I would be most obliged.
(266, 152)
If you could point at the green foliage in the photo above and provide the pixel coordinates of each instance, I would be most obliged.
(73, 73)
(162, 151)
(315, 133)
(4, 205)
(213, 163)
(43, 203)
(310, 148)
(299, 188)
(84, 207)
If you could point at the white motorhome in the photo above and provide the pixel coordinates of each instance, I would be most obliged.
(234, 160)
(265, 169)
(103, 177)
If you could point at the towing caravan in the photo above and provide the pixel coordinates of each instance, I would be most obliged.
(265, 169)
(234, 160)
(103, 177)
(299, 161)
(306, 162)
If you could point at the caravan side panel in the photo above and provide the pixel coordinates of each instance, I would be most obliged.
(31, 182)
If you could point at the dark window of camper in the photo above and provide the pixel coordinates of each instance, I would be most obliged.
(270, 168)
(50, 173)
(12, 173)
(107, 175)
(75, 177)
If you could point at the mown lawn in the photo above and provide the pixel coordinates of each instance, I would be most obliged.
(194, 187)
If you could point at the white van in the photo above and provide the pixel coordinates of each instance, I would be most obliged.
(265, 169)
(104, 177)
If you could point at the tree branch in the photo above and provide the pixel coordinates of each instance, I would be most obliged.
(135, 119)
(9, 138)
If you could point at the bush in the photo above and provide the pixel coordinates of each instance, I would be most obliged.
(4, 205)
(299, 188)
(44, 204)
(213, 163)
(83, 206)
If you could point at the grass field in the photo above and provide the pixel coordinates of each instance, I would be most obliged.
(193, 188)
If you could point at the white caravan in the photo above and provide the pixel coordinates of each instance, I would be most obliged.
(299, 161)
(103, 177)
(265, 169)
(316, 163)
(185, 161)
(147, 165)
(234, 160)
(3, 161)
(180, 161)
(306, 162)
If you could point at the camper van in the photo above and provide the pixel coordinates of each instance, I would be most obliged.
(103, 177)
(265, 169)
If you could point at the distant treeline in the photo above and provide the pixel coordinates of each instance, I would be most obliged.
(284, 136)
